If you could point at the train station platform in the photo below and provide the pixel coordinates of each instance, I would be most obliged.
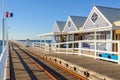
(102, 70)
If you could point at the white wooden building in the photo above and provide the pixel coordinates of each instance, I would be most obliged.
(96, 36)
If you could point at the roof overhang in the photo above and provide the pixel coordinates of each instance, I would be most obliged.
(115, 27)
(91, 30)
(79, 31)
(46, 34)
(52, 34)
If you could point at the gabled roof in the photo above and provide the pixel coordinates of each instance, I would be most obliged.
(112, 14)
(78, 20)
(61, 24)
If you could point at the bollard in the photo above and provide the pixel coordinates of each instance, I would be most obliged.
(74, 68)
(66, 65)
(60, 62)
(86, 74)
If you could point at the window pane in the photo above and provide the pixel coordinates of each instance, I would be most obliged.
(94, 17)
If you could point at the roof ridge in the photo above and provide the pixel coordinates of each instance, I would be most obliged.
(60, 21)
(78, 16)
(108, 7)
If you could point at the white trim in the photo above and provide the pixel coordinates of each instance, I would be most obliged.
(74, 24)
(66, 24)
(95, 51)
(118, 52)
(88, 18)
(52, 34)
(107, 59)
(78, 31)
(56, 25)
(69, 19)
(104, 17)
(90, 14)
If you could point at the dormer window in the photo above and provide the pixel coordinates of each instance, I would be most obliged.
(94, 17)
(69, 24)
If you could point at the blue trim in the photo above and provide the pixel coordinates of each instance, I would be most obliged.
(110, 56)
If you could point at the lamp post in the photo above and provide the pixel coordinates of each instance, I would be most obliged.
(3, 28)
(3, 22)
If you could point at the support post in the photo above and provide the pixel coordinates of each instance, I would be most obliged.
(118, 52)
(45, 42)
(111, 37)
(3, 25)
(80, 52)
(67, 45)
(58, 48)
(111, 33)
(40, 42)
(52, 47)
(95, 43)
(73, 44)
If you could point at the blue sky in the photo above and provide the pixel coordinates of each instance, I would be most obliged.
(33, 17)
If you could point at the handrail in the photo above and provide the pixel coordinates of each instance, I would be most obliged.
(93, 47)
(3, 63)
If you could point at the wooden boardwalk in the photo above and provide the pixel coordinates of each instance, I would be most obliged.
(100, 67)
(22, 68)
(23, 65)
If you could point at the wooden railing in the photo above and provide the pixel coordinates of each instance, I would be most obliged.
(98, 49)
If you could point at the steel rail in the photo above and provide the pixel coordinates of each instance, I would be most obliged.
(39, 66)
(78, 76)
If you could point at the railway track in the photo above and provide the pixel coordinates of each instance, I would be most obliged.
(32, 67)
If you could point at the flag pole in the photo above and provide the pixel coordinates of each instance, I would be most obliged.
(3, 25)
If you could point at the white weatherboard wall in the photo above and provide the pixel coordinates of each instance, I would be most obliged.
(56, 28)
(72, 26)
(100, 22)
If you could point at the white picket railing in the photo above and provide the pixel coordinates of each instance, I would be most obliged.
(93, 48)
(21, 42)
(96, 47)
(35, 44)
(3, 63)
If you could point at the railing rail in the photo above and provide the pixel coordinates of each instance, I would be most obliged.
(93, 48)
(3, 63)
(96, 47)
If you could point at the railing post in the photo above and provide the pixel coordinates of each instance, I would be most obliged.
(73, 47)
(118, 52)
(67, 48)
(58, 48)
(45, 42)
(95, 43)
(80, 53)
(41, 43)
(55, 47)
(73, 43)
(67, 45)
(48, 47)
